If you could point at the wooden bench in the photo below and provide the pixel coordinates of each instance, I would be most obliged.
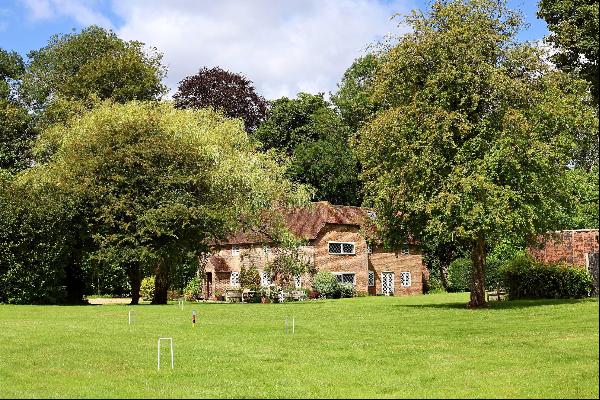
(233, 295)
(499, 294)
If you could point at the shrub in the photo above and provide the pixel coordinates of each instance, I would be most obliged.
(459, 275)
(193, 289)
(346, 290)
(433, 285)
(313, 294)
(326, 284)
(361, 293)
(526, 278)
(147, 288)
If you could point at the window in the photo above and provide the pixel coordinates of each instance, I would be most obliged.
(264, 279)
(235, 250)
(405, 250)
(371, 278)
(369, 249)
(234, 280)
(345, 278)
(405, 279)
(371, 214)
(341, 248)
(266, 249)
(298, 281)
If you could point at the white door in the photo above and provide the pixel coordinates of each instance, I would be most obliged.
(387, 283)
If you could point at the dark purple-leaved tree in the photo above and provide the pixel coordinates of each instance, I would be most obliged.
(223, 90)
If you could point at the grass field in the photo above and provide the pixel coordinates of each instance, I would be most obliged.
(421, 346)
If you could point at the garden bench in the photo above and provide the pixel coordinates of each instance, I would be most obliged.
(499, 293)
(233, 295)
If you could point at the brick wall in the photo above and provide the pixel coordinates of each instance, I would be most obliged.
(359, 263)
(567, 246)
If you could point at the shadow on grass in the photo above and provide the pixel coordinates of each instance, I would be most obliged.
(503, 304)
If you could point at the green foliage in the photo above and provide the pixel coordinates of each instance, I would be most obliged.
(11, 70)
(309, 131)
(474, 135)
(354, 96)
(346, 290)
(459, 274)
(574, 27)
(584, 213)
(35, 244)
(249, 277)
(155, 198)
(326, 284)
(93, 62)
(288, 261)
(193, 289)
(433, 285)
(147, 288)
(526, 278)
(15, 136)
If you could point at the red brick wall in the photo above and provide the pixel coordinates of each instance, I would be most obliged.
(567, 246)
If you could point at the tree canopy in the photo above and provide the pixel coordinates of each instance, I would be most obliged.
(156, 183)
(310, 132)
(222, 90)
(474, 135)
(574, 27)
(92, 63)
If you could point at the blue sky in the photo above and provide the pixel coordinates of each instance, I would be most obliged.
(283, 46)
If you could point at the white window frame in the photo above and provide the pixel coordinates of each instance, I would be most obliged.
(342, 248)
(369, 249)
(402, 275)
(371, 278)
(234, 282)
(235, 250)
(341, 280)
(264, 279)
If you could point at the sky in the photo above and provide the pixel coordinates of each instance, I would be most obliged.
(283, 46)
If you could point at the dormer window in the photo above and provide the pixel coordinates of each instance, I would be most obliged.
(341, 247)
(235, 250)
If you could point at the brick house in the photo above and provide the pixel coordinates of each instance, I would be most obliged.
(334, 242)
(570, 246)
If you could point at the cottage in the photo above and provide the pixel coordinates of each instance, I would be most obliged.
(334, 242)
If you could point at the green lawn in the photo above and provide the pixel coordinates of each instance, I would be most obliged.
(421, 346)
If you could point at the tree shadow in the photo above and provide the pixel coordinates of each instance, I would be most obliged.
(503, 304)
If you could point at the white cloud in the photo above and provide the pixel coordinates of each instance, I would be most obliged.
(81, 11)
(283, 46)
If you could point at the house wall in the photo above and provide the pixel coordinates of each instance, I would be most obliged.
(567, 246)
(317, 253)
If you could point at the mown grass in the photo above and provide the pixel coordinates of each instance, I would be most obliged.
(421, 346)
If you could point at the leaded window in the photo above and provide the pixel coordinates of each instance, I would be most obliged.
(234, 280)
(371, 278)
(405, 279)
(235, 250)
(405, 250)
(341, 248)
(298, 281)
(345, 278)
(264, 279)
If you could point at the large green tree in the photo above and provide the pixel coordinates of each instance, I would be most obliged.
(92, 63)
(475, 135)
(310, 132)
(156, 183)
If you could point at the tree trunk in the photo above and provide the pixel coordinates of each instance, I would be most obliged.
(444, 275)
(135, 281)
(478, 274)
(161, 283)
